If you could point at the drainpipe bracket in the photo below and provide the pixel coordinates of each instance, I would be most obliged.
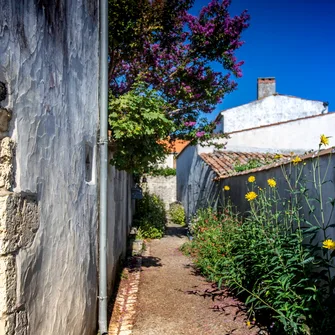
(103, 141)
(101, 298)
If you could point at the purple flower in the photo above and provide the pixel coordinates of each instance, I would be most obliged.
(188, 89)
(190, 124)
(200, 134)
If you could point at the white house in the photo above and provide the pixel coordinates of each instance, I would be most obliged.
(269, 108)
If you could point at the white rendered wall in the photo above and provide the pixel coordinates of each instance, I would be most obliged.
(49, 61)
(168, 162)
(272, 109)
(298, 136)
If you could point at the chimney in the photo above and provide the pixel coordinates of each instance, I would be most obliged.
(266, 87)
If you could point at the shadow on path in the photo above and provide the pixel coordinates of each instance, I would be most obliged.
(176, 231)
(150, 261)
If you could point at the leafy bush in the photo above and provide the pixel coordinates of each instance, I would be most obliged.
(138, 121)
(267, 266)
(177, 213)
(150, 216)
(165, 172)
(272, 257)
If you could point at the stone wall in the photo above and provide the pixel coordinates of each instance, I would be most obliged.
(19, 222)
(164, 187)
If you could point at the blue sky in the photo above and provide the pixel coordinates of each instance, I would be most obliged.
(293, 41)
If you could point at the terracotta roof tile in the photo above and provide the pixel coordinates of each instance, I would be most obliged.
(224, 162)
(176, 146)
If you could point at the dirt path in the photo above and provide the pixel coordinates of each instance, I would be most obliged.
(165, 307)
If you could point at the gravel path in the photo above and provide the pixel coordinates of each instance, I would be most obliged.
(165, 305)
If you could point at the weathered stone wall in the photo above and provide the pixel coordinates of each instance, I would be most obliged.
(48, 203)
(19, 222)
(164, 187)
(6, 163)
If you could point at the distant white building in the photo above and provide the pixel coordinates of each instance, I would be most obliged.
(269, 108)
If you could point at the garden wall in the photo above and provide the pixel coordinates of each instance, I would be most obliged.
(195, 185)
(120, 213)
(239, 185)
(163, 187)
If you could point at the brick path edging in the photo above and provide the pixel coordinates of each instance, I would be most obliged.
(124, 310)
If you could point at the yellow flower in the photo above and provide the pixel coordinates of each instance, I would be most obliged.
(278, 156)
(226, 188)
(272, 182)
(296, 160)
(248, 323)
(251, 196)
(329, 244)
(324, 140)
(251, 179)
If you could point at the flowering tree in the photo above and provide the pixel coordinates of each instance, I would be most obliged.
(160, 43)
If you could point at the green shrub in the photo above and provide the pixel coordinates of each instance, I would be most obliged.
(165, 172)
(150, 216)
(273, 258)
(177, 214)
(266, 265)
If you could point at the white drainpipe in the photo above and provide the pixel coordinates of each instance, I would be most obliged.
(103, 142)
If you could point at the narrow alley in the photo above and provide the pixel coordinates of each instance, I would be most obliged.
(170, 297)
